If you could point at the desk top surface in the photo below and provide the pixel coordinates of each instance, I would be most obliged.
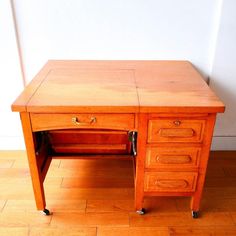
(118, 87)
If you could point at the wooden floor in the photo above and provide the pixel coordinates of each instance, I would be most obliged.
(95, 197)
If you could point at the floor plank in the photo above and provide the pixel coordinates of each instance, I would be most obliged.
(156, 205)
(109, 205)
(14, 231)
(2, 204)
(98, 182)
(22, 219)
(230, 171)
(209, 205)
(233, 214)
(89, 193)
(54, 205)
(181, 219)
(96, 197)
(62, 219)
(133, 231)
(13, 191)
(6, 163)
(203, 231)
(72, 231)
(13, 154)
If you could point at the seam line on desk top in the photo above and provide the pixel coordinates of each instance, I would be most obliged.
(132, 71)
(136, 88)
(37, 89)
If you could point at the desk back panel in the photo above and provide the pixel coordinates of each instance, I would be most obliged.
(89, 142)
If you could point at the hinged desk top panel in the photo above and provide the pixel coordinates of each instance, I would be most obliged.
(118, 87)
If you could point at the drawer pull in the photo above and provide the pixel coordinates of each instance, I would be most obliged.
(177, 122)
(173, 159)
(170, 184)
(185, 133)
(76, 121)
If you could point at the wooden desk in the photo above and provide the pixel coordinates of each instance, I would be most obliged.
(165, 107)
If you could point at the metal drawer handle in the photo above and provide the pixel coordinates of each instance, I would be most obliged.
(177, 122)
(76, 121)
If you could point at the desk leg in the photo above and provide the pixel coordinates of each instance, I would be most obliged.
(140, 162)
(36, 176)
(196, 198)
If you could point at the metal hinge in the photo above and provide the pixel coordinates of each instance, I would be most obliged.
(133, 139)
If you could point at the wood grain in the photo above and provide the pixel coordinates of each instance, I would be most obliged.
(72, 231)
(109, 211)
(109, 205)
(135, 231)
(35, 172)
(172, 157)
(10, 231)
(89, 219)
(181, 219)
(165, 130)
(62, 121)
(2, 204)
(122, 85)
(167, 102)
(170, 181)
(114, 88)
(21, 219)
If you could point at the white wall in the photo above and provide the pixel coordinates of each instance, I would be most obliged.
(11, 81)
(124, 29)
(223, 77)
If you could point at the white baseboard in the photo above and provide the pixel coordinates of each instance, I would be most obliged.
(12, 143)
(223, 143)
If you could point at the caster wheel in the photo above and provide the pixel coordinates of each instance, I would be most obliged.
(141, 212)
(195, 214)
(46, 212)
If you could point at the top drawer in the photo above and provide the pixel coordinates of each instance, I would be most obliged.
(87, 121)
(175, 130)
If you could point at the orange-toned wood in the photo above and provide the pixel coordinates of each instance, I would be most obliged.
(170, 181)
(176, 133)
(174, 87)
(175, 130)
(36, 175)
(20, 103)
(82, 121)
(205, 133)
(176, 158)
(167, 215)
(196, 198)
(88, 136)
(98, 88)
(124, 86)
(140, 160)
(167, 102)
(90, 148)
(90, 141)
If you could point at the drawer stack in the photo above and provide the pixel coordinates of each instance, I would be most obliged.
(173, 154)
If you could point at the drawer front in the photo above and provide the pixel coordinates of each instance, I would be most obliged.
(175, 130)
(170, 181)
(172, 157)
(86, 121)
